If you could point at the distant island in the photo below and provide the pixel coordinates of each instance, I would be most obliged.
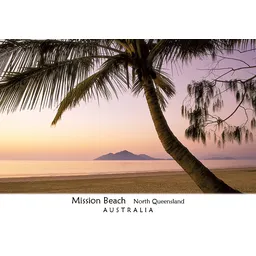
(126, 155)
(219, 158)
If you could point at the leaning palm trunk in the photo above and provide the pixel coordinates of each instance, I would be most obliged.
(201, 175)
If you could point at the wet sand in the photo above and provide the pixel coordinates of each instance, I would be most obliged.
(151, 182)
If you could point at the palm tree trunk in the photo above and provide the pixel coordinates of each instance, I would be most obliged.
(201, 175)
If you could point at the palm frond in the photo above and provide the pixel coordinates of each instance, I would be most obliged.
(44, 86)
(125, 44)
(137, 86)
(17, 55)
(163, 81)
(164, 87)
(174, 49)
(42, 72)
(110, 77)
(163, 102)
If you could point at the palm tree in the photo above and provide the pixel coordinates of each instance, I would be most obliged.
(64, 72)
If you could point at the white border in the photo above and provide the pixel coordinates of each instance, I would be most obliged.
(51, 225)
(127, 19)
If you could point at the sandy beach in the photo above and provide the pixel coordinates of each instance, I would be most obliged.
(153, 182)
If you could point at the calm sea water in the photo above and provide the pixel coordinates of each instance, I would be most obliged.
(57, 168)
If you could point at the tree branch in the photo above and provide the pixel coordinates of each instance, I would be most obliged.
(235, 109)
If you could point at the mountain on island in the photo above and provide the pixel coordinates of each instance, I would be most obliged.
(126, 155)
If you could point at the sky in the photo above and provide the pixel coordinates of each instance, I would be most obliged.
(93, 129)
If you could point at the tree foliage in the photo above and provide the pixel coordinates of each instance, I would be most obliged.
(205, 100)
(50, 73)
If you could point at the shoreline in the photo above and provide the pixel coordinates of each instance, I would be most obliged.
(171, 182)
(109, 175)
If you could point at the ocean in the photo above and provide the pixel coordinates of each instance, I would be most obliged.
(60, 168)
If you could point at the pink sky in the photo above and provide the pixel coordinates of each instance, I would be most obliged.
(91, 130)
